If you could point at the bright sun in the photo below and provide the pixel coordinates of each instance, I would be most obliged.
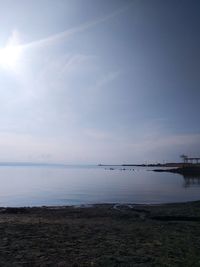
(9, 56)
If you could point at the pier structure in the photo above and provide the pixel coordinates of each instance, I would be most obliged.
(189, 160)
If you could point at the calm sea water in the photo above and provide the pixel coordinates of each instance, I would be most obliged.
(75, 185)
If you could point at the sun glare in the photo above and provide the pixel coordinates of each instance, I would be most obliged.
(9, 56)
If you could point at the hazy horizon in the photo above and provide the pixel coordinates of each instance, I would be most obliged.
(88, 82)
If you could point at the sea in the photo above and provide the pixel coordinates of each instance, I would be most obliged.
(60, 185)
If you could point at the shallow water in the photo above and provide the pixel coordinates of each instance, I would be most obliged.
(75, 185)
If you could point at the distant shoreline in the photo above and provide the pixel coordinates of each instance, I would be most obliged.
(45, 164)
(31, 164)
(171, 164)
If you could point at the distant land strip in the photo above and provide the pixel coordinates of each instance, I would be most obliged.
(24, 164)
(170, 164)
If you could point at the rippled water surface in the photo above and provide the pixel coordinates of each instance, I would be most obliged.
(74, 185)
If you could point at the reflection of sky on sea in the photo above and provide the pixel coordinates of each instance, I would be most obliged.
(32, 186)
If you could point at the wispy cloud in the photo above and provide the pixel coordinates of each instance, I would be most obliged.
(65, 34)
(97, 134)
(14, 39)
(107, 78)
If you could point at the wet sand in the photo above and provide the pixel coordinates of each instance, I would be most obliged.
(101, 235)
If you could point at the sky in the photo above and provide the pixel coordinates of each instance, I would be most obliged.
(99, 81)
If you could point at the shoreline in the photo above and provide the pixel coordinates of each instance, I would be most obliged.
(89, 205)
(93, 205)
(101, 235)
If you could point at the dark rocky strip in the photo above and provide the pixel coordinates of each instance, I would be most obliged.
(176, 218)
(194, 170)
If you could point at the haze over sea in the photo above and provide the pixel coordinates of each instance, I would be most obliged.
(90, 184)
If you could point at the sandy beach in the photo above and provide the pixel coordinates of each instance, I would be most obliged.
(101, 235)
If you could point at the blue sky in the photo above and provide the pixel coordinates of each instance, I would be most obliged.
(99, 81)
